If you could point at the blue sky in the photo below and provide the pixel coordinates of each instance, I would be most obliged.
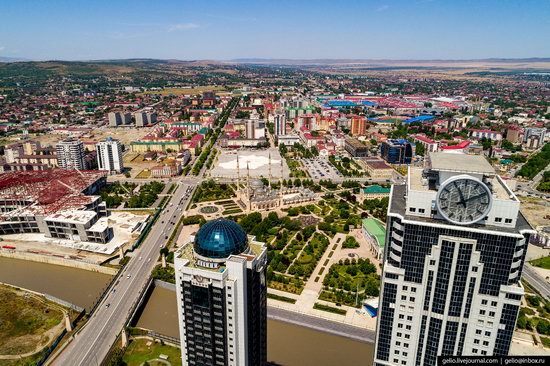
(297, 29)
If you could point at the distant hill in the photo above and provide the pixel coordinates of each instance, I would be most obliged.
(11, 59)
(325, 61)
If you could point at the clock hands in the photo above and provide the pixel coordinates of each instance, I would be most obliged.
(460, 194)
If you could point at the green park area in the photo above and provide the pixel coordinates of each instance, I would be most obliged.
(143, 352)
(116, 193)
(543, 262)
(28, 323)
(349, 282)
(212, 191)
(535, 317)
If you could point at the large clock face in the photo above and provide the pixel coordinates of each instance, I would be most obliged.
(463, 200)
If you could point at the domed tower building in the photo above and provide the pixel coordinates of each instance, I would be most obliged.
(221, 293)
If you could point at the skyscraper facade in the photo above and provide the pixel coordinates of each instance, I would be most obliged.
(70, 154)
(456, 244)
(221, 295)
(109, 156)
(279, 122)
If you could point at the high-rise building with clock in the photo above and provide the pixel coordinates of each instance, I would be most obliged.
(455, 248)
(222, 297)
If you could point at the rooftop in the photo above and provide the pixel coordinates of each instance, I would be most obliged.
(48, 191)
(450, 162)
(376, 230)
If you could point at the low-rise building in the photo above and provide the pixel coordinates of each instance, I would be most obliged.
(375, 234)
(374, 192)
(356, 148)
(377, 168)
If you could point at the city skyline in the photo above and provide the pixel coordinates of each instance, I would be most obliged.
(392, 29)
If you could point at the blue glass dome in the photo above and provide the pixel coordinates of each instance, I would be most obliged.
(220, 238)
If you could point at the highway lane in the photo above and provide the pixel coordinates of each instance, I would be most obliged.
(92, 343)
(538, 282)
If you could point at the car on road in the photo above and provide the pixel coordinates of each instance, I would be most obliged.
(128, 276)
(107, 305)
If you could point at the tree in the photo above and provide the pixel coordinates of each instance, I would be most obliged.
(420, 150)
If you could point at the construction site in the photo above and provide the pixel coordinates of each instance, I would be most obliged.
(62, 208)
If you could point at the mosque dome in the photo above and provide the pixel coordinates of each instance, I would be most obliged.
(256, 183)
(220, 238)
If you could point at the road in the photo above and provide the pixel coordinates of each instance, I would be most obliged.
(538, 282)
(91, 345)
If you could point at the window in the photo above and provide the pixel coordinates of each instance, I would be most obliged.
(408, 327)
(395, 360)
(485, 343)
(405, 288)
(409, 318)
(487, 334)
(508, 221)
(421, 210)
(493, 303)
(498, 219)
(396, 352)
(482, 312)
(412, 209)
(397, 343)
(484, 353)
(476, 341)
(401, 316)
(403, 362)
(403, 297)
(491, 313)
(405, 354)
(406, 345)
(411, 299)
(432, 262)
(474, 350)
(413, 289)
(399, 334)
(474, 269)
(478, 331)
(483, 302)
(400, 325)
(407, 336)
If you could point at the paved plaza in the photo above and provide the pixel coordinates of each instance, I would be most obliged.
(257, 161)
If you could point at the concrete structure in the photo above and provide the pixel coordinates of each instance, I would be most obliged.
(455, 247)
(70, 154)
(356, 148)
(109, 156)
(396, 151)
(57, 203)
(222, 297)
(145, 118)
(119, 118)
(279, 124)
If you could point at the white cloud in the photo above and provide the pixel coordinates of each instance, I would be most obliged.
(382, 8)
(183, 26)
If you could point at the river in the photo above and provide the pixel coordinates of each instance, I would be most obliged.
(288, 344)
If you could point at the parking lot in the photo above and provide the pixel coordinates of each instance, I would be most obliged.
(320, 168)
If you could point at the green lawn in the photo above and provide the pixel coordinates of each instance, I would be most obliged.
(543, 262)
(138, 352)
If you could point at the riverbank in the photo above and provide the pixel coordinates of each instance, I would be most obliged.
(29, 322)
(322, 325)
(39, 258)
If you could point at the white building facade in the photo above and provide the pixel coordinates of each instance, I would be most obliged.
(455, 248)
(70, 154)
(109, 156)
